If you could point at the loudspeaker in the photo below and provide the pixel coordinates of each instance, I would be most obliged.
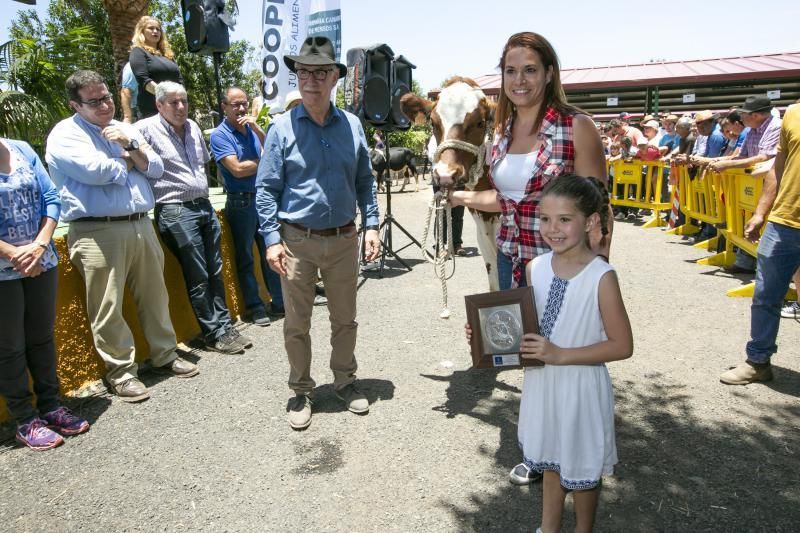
(374, 84)
(368, 81)
(401, 84)
(206, 24)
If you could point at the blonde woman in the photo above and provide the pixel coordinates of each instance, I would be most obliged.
(152, 62)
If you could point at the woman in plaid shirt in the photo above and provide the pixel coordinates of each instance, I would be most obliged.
(538, 137)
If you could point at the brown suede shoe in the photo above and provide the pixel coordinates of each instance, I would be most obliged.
(180, 368)
(299, 411)
(746, 373)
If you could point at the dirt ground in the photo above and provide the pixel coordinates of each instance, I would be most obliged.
(215, 453)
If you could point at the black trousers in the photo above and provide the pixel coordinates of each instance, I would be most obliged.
(27, 317)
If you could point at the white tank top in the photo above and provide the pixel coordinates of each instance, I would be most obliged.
(512, 173)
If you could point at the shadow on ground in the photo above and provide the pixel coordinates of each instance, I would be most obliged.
(676, 473)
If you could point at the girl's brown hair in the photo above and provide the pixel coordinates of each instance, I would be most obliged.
(162, 48)
(554, 93)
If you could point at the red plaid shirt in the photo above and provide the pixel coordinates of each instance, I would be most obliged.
(519, 236)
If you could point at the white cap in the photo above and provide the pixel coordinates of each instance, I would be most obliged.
(651, 124)
(293, 96)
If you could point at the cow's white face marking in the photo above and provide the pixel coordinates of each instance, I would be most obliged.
(455, 103)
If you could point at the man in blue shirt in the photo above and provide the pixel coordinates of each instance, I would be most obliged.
(314, 171)
(101, 167)
(236, 146)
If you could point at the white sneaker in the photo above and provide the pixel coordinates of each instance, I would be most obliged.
(522, 475)
(791, 310)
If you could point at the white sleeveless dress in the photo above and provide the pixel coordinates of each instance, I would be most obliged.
(566, 418)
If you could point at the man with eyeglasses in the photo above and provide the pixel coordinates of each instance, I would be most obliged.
(101, 167)
(314, 172)
(236, 146)
(185, 217)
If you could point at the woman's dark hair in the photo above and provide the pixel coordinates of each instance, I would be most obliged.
(589, 194)
(734, 117)
(554, 92)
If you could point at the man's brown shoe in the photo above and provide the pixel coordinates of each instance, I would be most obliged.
(299, 411)
(131, 390)
(746, 373)
(180, 368)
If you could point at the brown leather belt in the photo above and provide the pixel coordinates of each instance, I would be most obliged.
(133, 216)
(329, 232)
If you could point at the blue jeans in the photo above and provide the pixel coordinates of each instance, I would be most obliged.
(192, 232)
(240, 212)
(778, 258)
(505, 272)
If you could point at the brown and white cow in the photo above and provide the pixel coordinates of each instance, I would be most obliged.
(461, 120)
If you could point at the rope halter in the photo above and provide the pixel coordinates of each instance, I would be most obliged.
(479, 151)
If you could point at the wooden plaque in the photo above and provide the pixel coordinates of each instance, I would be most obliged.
(498, 321)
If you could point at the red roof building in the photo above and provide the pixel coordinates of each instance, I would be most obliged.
(675, 86)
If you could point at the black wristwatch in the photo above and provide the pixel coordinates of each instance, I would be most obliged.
(133, 145)
(373, 227)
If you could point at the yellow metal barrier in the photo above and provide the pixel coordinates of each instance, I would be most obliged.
(742, 190)
(701, 198)
(639, 184)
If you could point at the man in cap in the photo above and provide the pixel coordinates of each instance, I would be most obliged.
(236, 146)
(314, 172)
(778, 253)
(710, 141)
(761, 142)
(621, 129)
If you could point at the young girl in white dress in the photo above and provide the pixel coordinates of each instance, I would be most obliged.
(566, 420)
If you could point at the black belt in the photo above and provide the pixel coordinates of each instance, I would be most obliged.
(241, 194)
(131, 217)
(329, 232)
(197, 201)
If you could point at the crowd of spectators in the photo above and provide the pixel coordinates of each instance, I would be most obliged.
(705, 141)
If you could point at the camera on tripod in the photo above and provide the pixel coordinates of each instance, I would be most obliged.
(374, 84)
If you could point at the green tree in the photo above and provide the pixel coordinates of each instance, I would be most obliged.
(37, 61)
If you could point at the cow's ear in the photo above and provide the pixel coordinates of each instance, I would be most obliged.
(416, 108)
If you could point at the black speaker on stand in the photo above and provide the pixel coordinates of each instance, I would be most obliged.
(374, 84)
(207, 24)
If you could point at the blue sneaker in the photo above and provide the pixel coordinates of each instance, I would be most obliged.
(36, 435)
(64, 422)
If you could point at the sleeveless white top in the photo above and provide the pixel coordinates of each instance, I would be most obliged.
(512, 174)
(566, 418)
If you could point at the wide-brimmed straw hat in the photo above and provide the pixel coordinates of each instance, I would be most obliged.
(315, 51)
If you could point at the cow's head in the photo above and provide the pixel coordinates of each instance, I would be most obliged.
(460, 118)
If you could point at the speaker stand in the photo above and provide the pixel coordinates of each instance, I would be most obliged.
(217, 61)
(389, 222)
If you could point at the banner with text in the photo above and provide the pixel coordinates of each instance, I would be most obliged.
(285, 24)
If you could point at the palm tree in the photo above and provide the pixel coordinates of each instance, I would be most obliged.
(122, 18)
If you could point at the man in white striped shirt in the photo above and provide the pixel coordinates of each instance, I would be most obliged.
(186, 220)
